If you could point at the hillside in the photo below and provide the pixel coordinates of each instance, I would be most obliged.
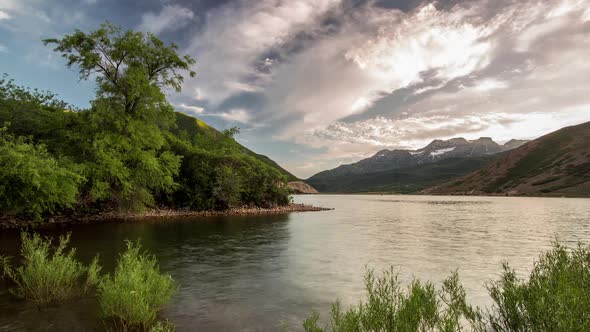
(407, 171)
(193, 129)
(557, 164)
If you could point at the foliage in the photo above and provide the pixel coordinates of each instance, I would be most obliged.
(32, 181)
(227, 187)
(136, 291)
(231, 132)
(389, 308)
(49, 274)
(127, 157)
(132, 67)
(130, 150)
(162, 326)
(214, 179)
(554, 298)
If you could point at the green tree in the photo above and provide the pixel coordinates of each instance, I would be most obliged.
(126, 159)
(132, 67)
(227, 187)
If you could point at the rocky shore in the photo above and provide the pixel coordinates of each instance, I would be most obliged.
(11, 222)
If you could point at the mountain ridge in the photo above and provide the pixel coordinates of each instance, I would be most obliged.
(387, 160)
(556, 164)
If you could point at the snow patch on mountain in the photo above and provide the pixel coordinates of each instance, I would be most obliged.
(441, 151)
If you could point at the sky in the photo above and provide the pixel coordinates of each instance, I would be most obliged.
(317, 83)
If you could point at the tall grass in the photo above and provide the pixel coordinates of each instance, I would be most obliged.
(134, 294)
(555, 297)
(49, 273)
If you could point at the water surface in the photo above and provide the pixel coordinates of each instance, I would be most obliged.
(258, 273)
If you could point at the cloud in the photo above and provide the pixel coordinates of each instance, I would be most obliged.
(236, 115)
(231, 48)
(170, 18)
(3, 49)
(4, 15)
(189, 108)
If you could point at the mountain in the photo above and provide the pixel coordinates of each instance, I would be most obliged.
(557, 164)
(385, 170)
(405, 180)
(188, 128)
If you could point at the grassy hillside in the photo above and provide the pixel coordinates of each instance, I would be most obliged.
(197, 131)
(407, 180)
(557, 164)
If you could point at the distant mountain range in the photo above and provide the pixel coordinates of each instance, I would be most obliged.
(557, 164)
(407, 171)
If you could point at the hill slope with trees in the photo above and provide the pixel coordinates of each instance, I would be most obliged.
(128, 151)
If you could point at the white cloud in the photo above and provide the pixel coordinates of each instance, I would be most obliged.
(489, 85)
(3, 49)
(236, 115)
(4, 15)
(376, 52)
(236, 36)
(170, 18)
(190, 108)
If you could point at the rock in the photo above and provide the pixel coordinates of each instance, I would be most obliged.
(299, 187)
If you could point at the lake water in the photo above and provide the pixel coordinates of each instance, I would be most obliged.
(259, 273)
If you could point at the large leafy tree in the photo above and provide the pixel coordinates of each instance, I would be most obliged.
(131, 66)
(126, 159)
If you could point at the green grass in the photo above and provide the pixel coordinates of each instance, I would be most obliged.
(49, 274)
(553, 298)
(133, 295)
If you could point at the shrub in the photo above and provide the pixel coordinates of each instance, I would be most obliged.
(49, 275)
(555, 297)
(136, 291)
(32, 182)
(389, 308)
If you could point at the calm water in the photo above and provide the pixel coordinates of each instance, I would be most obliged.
(256, 273)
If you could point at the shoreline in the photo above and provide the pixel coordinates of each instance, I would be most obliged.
(154, 214)
(375, 193)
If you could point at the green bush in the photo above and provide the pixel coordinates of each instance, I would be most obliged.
(389, 308)
(556, 297)
(32, 182)
(134, 294)
(49, 274)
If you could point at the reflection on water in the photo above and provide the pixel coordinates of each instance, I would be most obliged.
(253, 273)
